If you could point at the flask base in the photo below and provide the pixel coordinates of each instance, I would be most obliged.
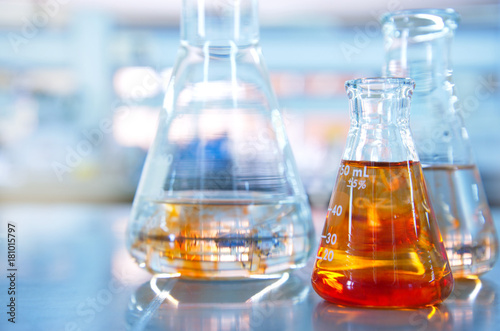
(471, 271)
(196, 270)
(413, 294)
(222, 238)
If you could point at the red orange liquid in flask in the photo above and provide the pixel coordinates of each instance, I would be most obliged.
(381, 246)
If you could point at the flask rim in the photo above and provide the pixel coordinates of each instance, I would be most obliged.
(438, 16)
(380, 83)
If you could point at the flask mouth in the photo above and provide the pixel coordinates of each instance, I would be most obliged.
(380, 85)
(422, 21)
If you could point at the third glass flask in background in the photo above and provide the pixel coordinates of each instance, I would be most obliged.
(417, 44)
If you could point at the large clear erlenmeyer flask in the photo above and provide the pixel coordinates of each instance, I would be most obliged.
(220, 196)
(418, 46)
(381, 245)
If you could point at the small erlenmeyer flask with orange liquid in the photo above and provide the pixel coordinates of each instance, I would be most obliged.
(381, 245)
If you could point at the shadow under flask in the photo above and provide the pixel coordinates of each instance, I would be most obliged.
(220, 196)
(418, 46)
(381, 245)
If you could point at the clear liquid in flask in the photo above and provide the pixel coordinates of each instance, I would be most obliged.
(223, 237)
(463, 216)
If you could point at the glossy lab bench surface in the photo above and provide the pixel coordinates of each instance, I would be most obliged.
(73, 272)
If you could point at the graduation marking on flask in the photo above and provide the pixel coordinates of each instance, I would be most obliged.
(360, 184)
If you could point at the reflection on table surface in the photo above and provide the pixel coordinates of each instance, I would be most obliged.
(193, 305)
(470, 307)
(74, 273)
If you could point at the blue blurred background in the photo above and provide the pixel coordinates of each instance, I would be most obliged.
(70, 68)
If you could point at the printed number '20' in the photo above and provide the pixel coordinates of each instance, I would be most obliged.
(328, 256)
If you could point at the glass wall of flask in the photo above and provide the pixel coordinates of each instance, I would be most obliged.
(381, 245)
(418, 46)
(220, 196)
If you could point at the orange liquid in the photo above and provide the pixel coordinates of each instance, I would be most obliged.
(381, 246)
(223, 238)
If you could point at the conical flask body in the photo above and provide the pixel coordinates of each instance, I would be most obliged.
(418, 45)
(220, 196)
(381, 246)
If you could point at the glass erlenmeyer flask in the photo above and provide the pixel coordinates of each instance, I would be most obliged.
(220, 196)
(418, 45)
(381, 245)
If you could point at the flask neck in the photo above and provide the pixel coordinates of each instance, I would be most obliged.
(380, 101)
(428, 63)
(418, 45)
(220, 23)
(379, 112)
